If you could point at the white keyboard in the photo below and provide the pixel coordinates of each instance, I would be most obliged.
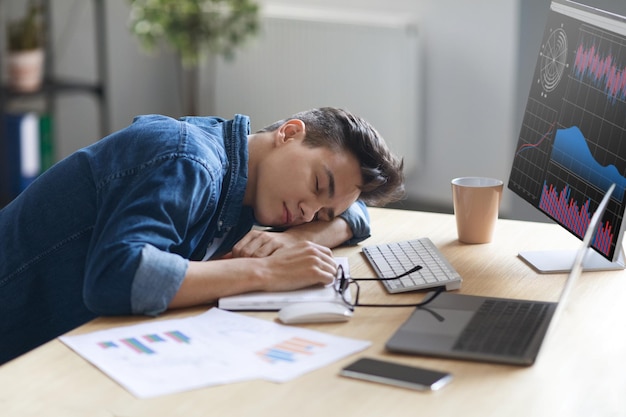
(391, 259)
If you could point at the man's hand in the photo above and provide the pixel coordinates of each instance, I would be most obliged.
(258, 244)
(302, 265)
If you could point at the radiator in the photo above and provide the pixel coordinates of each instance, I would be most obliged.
(305, 58)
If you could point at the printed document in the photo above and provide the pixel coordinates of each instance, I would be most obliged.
(217, 347)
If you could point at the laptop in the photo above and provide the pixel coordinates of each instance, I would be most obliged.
(488, 329)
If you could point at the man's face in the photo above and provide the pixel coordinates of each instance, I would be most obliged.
(298, 184)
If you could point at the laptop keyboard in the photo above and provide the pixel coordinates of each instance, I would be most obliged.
(393, 259)
(502, 327)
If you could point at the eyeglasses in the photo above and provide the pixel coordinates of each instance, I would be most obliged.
(342, 283)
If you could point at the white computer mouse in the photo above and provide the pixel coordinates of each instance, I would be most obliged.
(314, 312)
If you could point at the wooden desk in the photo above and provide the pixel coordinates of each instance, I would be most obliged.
(581, 370)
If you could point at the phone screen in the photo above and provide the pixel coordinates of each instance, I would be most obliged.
(396, 374)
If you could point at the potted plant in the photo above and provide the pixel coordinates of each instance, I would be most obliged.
(25, 49)
(195, 29)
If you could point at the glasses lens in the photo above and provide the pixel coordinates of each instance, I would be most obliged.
(342, 286)
(350, 292)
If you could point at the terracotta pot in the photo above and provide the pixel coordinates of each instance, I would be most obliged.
(26, 70)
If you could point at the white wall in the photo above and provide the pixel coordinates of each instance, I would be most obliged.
(469, 88)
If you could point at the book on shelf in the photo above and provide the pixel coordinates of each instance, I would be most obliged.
(46, 140)
(27, 150)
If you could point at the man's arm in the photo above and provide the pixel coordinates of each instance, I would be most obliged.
(288, 268)
(350, 227)
(259, 243)
(297, 258)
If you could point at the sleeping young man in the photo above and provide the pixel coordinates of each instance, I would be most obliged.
(159, 215)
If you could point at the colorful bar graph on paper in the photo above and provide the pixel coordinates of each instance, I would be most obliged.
(137, 346)
(153, 338)
(289, 350)
(178, 336)
(140, 344)
(107, 345)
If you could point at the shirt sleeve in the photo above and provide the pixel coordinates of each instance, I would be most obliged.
(358, 219)
(143, 237)
(157, 280)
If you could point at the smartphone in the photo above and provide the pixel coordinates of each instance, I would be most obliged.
(396, 374)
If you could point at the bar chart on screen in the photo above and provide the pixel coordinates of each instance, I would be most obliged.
(596, 64)
(575, 216)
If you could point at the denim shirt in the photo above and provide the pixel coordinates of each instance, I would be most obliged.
(110, 229)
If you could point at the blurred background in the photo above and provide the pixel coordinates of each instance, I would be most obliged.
(444, 81)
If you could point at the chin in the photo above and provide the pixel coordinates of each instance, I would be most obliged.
(264, 221)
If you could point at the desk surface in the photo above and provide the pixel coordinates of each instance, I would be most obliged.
(581, 369)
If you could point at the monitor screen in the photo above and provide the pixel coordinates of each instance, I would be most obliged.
(572, 142)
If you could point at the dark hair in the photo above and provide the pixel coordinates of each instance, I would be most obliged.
(383, 178)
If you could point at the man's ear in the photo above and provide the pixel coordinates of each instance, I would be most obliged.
(291, 129)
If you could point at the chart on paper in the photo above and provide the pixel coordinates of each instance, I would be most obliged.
(146, 344)
(290, 350)
(216, 347)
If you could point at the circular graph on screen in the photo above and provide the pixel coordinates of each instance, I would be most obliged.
(553, 59)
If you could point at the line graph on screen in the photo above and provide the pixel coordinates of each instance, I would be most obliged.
(602, 70)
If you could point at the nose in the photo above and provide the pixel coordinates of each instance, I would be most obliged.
(309, 210)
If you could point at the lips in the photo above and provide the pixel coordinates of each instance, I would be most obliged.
(286, 215)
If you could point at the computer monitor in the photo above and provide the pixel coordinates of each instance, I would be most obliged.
(572, 142)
